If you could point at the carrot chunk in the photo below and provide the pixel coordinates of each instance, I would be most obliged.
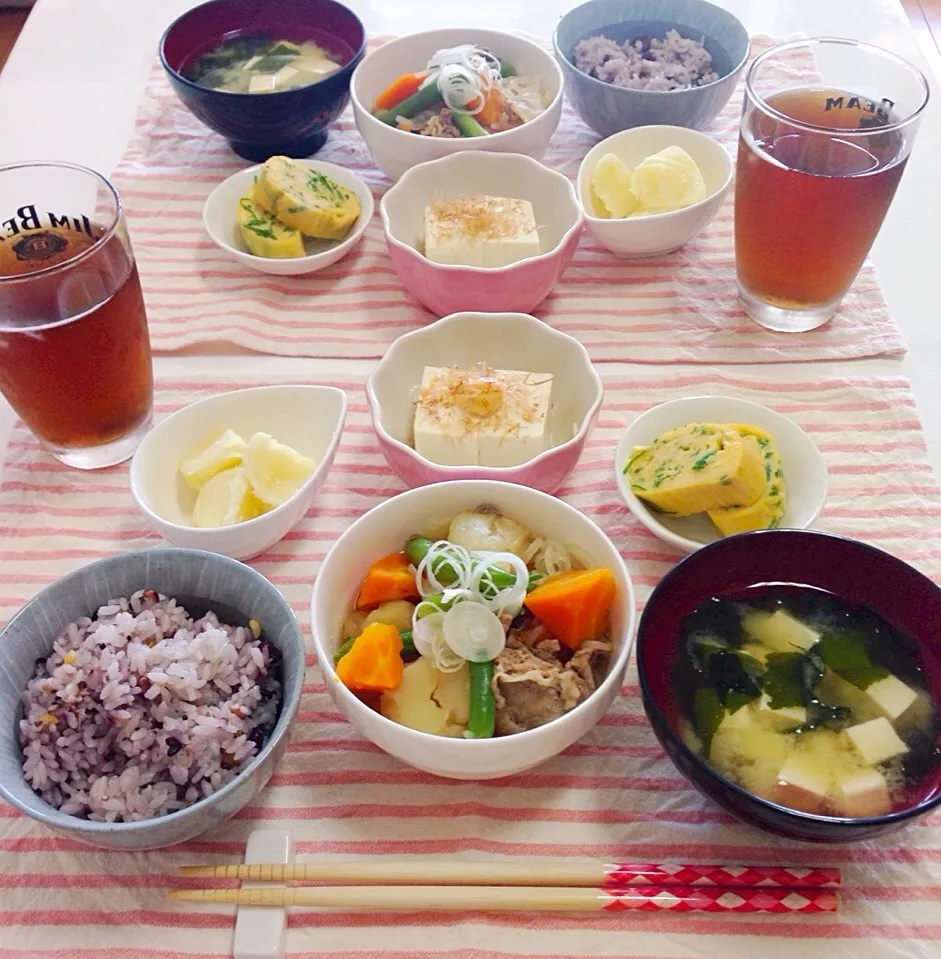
(387, 579)
(374, 663)
(400, 89)
(574, 606)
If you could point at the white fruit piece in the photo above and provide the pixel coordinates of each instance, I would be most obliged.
(225, 500)
(275, 471)
(221, 453)
(876, 741)
(611, 188)
(891, 696)
(668, 180)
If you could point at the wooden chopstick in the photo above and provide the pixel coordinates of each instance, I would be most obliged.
(523, 898)
(585, 873)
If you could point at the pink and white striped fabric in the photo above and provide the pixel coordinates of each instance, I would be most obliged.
(613, 796)
(677, 308)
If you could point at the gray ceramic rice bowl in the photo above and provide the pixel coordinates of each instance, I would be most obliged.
(607, 108)
(200, 582)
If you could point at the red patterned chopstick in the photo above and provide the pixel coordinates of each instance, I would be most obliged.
(715, 899)
(724, 877)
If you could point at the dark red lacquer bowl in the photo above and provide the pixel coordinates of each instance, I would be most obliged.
(290, 122)
(900, 594)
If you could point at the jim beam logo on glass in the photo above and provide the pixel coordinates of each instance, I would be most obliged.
(36, 236)
(873, 114)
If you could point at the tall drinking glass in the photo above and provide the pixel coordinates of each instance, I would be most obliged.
(818, 164)
(74, 348)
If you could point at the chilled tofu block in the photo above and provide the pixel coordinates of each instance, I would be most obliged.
(441, 430)
(802, 786)
(780, 632)
(479, 230)
(698, 467)
(863, 794)
(876, 741)
(519, 431)
(789, 717)
(891, 696)
(482, 417)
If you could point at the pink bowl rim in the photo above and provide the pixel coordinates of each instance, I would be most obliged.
(445, 473)
(481, 156)
(552, 67)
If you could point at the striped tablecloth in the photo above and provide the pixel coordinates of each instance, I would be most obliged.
(612, 795)
(677, 308)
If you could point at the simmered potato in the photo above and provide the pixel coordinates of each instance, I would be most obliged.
(416, 703)
(397, 613)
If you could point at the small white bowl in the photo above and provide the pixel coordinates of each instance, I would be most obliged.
(805, 473)
(518, 287)
(658, 233)
(396, 150)
(508, 341)
(385, 529)
(307, 418)
(221, 223)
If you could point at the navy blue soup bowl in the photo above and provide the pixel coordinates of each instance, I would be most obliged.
(259, 125)
(852, 570)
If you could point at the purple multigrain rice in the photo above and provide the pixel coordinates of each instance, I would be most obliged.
(142, 710)
(645, 63)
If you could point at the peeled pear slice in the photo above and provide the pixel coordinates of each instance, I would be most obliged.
(224, 452)
(611, 187)
(275, 471)
(225, 500)
(668, 180)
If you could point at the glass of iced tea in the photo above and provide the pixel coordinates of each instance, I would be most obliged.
(74, 348)
(819, 158)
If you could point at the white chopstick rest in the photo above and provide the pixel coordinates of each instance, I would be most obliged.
(260, 930)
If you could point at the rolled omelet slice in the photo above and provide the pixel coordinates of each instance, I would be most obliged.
(263, 235)
(305, 200)
(768, 510)
(698, 467)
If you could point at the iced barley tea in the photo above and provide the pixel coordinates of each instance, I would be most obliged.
(808, 205)
(75, 359)
(818, 166)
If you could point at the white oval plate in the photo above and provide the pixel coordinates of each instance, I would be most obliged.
(805, 473)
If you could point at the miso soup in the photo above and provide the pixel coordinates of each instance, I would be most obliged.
(258, 64)
(809, 701)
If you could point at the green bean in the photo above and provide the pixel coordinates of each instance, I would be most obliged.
(347, 645)
(421, 100)
(468, 125)
(480, 720)
(343, 649)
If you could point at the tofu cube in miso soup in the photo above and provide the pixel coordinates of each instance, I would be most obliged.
(876, 740)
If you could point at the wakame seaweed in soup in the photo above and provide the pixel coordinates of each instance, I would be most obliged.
(259, 64)
(808, 700)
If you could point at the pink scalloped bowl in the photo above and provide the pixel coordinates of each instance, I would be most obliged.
(508, 341)
(519, 287)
